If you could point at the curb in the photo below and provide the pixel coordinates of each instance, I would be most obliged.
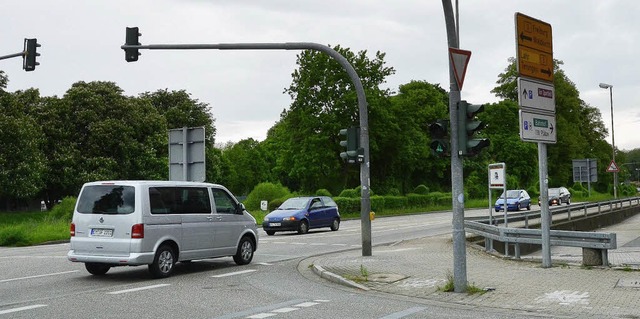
(318, 270)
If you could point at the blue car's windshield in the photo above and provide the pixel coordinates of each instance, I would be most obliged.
(511, 194)
(295, 203)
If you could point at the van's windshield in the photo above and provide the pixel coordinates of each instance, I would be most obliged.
(107, 199)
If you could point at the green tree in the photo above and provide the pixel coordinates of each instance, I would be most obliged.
(248, 164)
(324, 101)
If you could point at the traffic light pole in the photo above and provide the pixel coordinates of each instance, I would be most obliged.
(457, 183)
(365, 202)
(11, 55)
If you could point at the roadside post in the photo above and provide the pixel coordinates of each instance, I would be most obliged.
(497, 180)
(536, 98)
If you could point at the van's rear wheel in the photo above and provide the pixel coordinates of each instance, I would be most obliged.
(97, 268)
(163, 262)
(245, 251)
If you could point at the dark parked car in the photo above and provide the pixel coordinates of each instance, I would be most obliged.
(516, 199)
(301, 214)
(558, 195)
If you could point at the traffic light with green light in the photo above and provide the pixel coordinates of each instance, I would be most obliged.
(440, 140)
(468, 125)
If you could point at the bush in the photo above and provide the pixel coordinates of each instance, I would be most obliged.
(418, 200)
(323, 192)
(349, 193)
(64, 209)
(348, 205)
(265, 191)
(395, 202)
(14, 236)
(421, 190)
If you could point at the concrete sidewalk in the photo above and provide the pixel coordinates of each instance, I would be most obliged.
(417, 268)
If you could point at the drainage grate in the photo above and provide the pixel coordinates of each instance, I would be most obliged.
(628, 283)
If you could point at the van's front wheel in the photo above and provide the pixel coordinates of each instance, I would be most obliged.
(97, 268)
(245, 251)
(163, 262)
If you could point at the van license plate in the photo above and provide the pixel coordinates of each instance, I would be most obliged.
(275, 224)
(101, 232)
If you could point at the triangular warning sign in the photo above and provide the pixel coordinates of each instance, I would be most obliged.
(613, 168)
(459, 60)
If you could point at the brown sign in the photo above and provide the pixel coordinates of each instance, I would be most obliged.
(535, 48)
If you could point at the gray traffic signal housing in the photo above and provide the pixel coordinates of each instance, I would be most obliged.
(440, 141)
(468, 125)
(30, 53)
(132, 38)
(353, 152)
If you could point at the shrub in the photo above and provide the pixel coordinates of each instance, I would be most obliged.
(377, 203)
(395, 202)
(418, 200)
(421, 190)
(349, 193)
(265, 191)
(323, 192)
(348, 205)
(14, 236)
(64, 209)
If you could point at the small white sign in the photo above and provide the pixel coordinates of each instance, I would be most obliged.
(536, 96)
(537, 127)
(497, 175)
(264, 205)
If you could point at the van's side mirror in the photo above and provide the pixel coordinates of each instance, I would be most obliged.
(240, 208)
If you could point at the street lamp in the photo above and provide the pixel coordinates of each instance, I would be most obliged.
(613, 139)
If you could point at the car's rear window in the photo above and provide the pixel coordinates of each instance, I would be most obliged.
(107, 199)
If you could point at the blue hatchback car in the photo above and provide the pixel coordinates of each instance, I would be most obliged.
(516, 200)
(301, 214)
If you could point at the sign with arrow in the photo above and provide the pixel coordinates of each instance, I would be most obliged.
(537, 127)
(535, 48)
(536, 96)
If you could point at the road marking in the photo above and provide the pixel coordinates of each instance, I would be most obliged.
(265, 264)
(137, 289)
(306, 304)
(2, 312)
(234, 273)
(284, 310)
(38, 276)
(404, 313)
(262, 315)
(260, 309)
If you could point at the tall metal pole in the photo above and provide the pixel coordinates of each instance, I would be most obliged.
(457, 186)
(613, 144)
(544, 206)
(613, 139)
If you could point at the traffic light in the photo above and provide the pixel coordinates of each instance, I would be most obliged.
(439, 132)
(353, 153)
(132, 38)
(30, 53)
(468, 125)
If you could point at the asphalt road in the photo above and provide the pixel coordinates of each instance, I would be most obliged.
(39, 282)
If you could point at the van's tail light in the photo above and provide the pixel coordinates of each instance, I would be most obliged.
(72, 229)
(137, 231)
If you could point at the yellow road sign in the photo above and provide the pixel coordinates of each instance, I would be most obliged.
(535, 48)
(535, 64)
(534, 33)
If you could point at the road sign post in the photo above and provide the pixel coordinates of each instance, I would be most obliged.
(187, 155)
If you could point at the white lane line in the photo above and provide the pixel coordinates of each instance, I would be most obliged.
(265, 264)
(284, 310)
(262, 315)
(306, 304)
(2, 312)
(137, 289)
(234, 273)
(339, 245)
(39, 276)
(404, 313)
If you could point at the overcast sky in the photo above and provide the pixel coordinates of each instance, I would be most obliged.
(597, 40)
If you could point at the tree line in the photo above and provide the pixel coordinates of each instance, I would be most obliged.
(50, 146)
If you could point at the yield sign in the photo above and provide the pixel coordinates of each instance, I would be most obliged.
(613, 168)
(459, 60)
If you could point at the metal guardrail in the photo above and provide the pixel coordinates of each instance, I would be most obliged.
(590, 240)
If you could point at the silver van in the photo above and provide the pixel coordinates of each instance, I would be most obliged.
(158, 223)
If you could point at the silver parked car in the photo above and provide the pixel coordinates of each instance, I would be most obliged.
(158, 223)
